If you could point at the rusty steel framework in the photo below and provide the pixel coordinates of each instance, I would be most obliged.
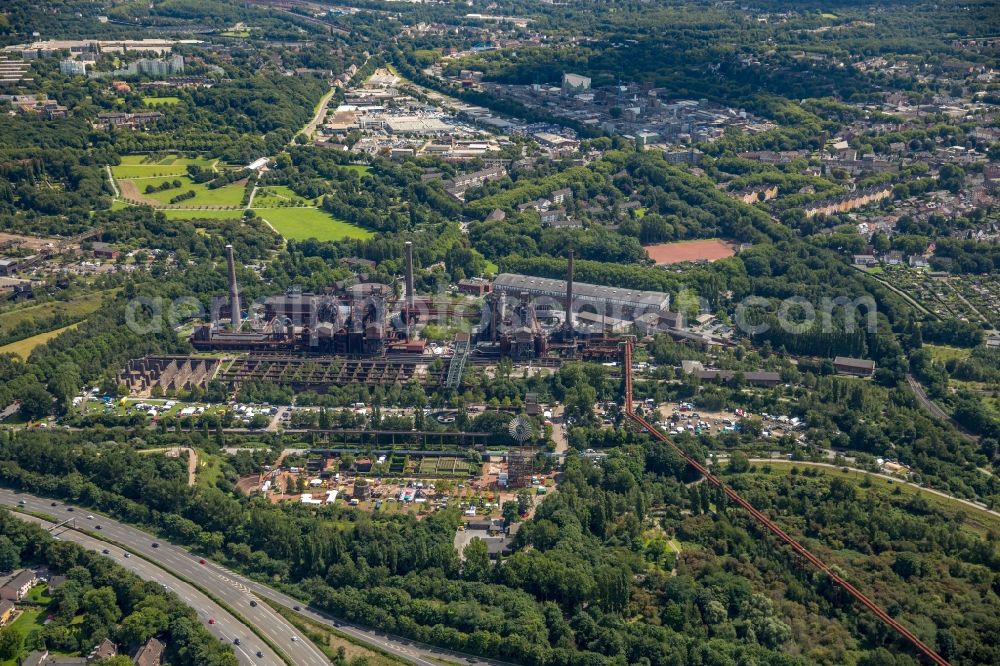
(770, 525)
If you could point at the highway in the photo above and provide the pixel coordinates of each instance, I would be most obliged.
(234, 590)
(176, 564)
(226, 627)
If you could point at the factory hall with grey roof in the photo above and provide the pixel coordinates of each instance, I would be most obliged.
(634, 301)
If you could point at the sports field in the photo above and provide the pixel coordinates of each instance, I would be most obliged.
(696, 250)
(303, 223)
(160, 101)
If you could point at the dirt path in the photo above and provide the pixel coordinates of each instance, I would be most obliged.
(909, 299)
(559, 430)
(175, 452)
(935, 409)
(968, 503)
(111, 179)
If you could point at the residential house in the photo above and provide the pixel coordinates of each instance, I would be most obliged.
(18, 585)
(849, 201)
(54, 583)
(559, 196)
(553, 217)
(143, 119)
(104, 650)
(6, 611)
(150, 654)
(894, 258)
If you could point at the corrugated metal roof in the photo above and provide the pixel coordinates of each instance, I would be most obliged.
(512, 282)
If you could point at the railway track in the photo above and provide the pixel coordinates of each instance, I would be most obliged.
(769, 525)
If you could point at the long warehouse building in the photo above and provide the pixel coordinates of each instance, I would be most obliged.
(623, 302)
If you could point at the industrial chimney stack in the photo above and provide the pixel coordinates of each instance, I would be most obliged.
(234, 291)
(409, 276)
(408, 302)
(569, 295)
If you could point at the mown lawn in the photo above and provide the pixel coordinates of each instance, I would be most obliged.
(23, 348)
(30, 618)
(274, 196)
(172, 214)
(133, 166)
(228, 195)
(303, 223)
(158, 101)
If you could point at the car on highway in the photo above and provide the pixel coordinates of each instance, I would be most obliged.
(259, 653)
(106, 551)
(296, 608)
(90, 517)
(128, 554)
(69, 508)
(54, 504)
(253, 603)
(211, 620)
(295, 638)
(98, 527)
(201, 561)
(236, 641)
(21, 502)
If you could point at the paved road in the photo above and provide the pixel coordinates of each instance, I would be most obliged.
(317, 117)
(237, 591)
(207, 576)
(226, 626)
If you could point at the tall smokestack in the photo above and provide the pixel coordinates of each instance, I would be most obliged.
(234, 291)
(409, 275)
(569, 294)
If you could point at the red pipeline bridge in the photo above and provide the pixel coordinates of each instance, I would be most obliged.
(770, 525)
